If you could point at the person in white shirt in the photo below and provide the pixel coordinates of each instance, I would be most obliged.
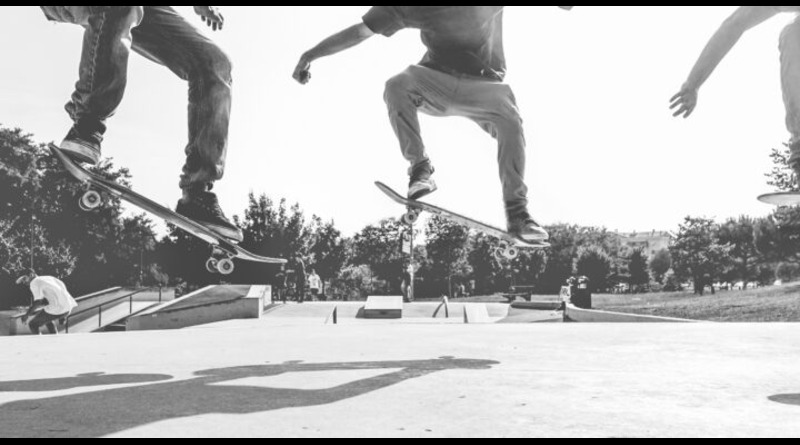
(314, 284)
(51, 302)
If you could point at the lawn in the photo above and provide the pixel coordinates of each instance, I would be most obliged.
(769, 304)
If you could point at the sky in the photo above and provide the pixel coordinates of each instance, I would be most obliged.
(593, 86)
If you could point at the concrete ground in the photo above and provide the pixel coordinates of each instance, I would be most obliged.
(255, 378)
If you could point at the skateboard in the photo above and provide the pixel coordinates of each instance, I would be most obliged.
(781, 199)
(510, 244)
(223, 251)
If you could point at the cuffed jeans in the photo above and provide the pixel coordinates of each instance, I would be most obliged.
(165, 37)
(489, 104)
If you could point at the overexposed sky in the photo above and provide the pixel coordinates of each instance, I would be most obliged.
(593, 85)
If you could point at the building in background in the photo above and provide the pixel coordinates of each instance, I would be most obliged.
(649, 242)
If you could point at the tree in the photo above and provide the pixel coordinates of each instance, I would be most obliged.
(566, 241)
(448, 247)
(782, 176)
(42, 220)
(594, 263)
(378, 246)
(697, 253)
(637, 269)
(487, 271)
(777, 237)
(353, 283)
(740, 235)
(660, 264)
(788, 272)
(328, 250)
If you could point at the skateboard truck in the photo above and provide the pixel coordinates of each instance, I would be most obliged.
(220, 262)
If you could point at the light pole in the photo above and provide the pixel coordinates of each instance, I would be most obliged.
(33, 246)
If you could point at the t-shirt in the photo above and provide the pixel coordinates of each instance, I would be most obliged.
(464, 39)
(314, 281)
(53, 290)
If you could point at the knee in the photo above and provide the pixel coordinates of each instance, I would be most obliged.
(397, 88)
(215, 69)
(510, 126)
(127, 16)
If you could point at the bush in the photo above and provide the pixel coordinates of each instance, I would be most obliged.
(672, 283)
(788, 272)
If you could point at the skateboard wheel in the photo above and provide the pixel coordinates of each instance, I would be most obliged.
(410, 218)
(90, 200)
(499, 254)
(211, 265)
(225, 267)
(511, 253)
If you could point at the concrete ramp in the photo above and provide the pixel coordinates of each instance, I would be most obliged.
(574, 314)
(209, 305)
(476, 313)
(385, 308)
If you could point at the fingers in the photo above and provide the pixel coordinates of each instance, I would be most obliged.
(214, 20)
(302, 72)
(302, 76)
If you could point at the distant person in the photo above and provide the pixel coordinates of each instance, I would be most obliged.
(406, 288)
(51, 302)
(314, 284)
(280, 285)
(300, 278)
(723, 41)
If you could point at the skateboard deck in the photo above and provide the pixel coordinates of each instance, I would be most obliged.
(511, 241)
(782, 199)
(223, 250)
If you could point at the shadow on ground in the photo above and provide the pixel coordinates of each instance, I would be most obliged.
(109, 411)
(786, 399)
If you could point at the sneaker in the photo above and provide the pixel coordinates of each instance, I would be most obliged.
(203, 207)
(421, 183)
(527, 229)
(82, 148)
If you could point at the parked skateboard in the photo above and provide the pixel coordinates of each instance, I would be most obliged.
(223, 250)
(509, 246)
(782, 199)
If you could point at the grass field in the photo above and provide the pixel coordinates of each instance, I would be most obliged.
(769, 304)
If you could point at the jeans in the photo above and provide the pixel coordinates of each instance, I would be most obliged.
(165, 37)
(489, 104)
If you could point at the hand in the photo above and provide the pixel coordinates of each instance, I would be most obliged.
(302, 73)
(210, 16)
(685, 102)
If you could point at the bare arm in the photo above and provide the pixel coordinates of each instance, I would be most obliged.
(37, 306)
(334, 44)
(745, 18)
